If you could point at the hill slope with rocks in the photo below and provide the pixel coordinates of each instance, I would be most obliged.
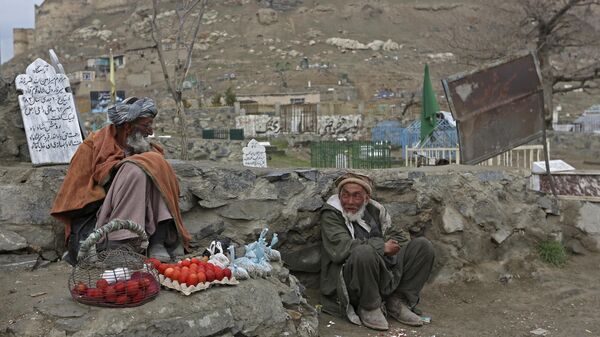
(367, 45)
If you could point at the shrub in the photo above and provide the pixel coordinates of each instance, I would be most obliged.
(216, 100)
(553, 252)
(229, 97)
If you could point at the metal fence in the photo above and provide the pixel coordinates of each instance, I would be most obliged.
(298, 118)
(521, 157)
(390, 131)
(231, 134)
(353, 154)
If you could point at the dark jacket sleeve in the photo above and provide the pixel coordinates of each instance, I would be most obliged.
(337, 241)
(395, 232)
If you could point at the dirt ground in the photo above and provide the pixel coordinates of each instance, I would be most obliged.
(564, 302)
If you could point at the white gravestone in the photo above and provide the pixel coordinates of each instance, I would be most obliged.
(254, 155)
(49, 114)
(555, 166)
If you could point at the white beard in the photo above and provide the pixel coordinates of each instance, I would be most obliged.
(138, 143)
(353, 217)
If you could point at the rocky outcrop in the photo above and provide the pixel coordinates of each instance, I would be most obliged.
(13, 144)
(436, 8)
(11, 241)
(267, 16)
(345, 43)
(281, 5)
(476, 217)
(350, 44)
(272, 306)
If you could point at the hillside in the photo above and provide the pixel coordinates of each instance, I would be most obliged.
(245, 38)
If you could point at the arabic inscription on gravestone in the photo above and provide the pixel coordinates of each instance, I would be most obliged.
(254, 155)
(49, 114)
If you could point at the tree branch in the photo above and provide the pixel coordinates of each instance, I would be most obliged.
(592, 74)
(582, 85)
(157, 38)
(190, 50)
(554, 20)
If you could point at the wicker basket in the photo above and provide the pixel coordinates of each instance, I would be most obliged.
(114, 277)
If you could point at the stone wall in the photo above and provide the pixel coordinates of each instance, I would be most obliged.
(482, 222)
(22, 38)
(217, 150)
(197, 119)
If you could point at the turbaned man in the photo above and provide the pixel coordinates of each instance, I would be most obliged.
(117, 173)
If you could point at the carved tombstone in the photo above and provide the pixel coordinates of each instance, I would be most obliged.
(49, 114)
(254, 155)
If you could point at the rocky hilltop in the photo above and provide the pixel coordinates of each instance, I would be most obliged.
(356, 48)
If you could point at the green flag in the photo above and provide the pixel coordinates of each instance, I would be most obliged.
(429, 108)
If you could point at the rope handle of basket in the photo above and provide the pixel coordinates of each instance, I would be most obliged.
(113, 225)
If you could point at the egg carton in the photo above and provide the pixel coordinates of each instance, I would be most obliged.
(188, 290)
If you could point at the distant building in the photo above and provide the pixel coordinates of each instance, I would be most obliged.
(588, 123)
(102, 63)
(280, 98)
(23, 39)
(593, 110)
(83, 75)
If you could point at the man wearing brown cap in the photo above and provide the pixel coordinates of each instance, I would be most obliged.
(368, 262)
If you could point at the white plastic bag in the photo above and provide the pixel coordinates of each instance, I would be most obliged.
(217, 257)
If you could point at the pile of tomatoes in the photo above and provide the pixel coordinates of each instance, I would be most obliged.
(133, 291)
(191, 272)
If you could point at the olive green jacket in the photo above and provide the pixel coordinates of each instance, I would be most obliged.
(337, 234)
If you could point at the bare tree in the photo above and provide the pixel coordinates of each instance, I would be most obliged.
(482, 39)
(557, 30)
(560, 26)
(185, 38)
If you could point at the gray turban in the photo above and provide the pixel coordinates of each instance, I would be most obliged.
(131, 109)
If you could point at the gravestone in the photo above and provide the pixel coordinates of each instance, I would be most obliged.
(254, 155)
(49, 115)
(555, 166)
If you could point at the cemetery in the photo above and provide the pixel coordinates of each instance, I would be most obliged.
(245, 162)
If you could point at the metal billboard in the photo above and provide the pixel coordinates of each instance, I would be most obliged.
(497, 108)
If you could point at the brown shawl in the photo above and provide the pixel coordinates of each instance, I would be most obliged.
(91, 167)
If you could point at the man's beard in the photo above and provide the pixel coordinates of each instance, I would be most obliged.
(138, 143)
(353, 217)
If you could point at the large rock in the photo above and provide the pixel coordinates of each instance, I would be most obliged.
(17, 261)
(10, 241)
(342, 43)
(254, 307)
(13, 142)
(589, 221)
(267, 16)
(45, 237)
(452, 221)
(304, 259)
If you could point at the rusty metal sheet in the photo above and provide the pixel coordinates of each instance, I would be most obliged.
(497, 108)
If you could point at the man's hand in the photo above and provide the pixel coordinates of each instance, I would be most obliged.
(391, 247)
